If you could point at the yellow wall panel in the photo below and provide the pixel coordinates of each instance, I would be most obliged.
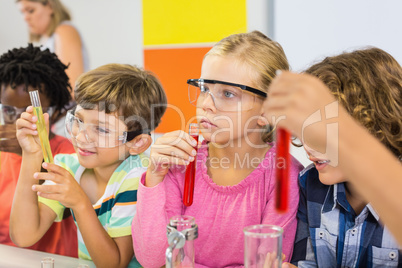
(192, 21)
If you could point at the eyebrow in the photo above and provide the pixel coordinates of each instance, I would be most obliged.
(225, 87)
(222, 85)
(26, 8)
(95, 122)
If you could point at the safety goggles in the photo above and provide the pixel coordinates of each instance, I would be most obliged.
(225, 95)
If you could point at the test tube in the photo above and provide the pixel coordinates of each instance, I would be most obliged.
(1, 120)
(1, 115)
(190, 170)
(41, 126)
(282, 165)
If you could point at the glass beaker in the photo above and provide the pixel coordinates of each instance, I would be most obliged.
(47, 262)
(181, 232)
(263, 246)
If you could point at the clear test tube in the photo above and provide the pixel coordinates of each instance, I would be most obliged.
(41, 126)
(1, 115)
(1, 119)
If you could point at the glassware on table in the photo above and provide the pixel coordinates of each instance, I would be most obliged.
(181, 233)
(47, 262)
(263, 246)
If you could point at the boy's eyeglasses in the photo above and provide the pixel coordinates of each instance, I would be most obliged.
(10, 114)
(96, 134)
(227, 96)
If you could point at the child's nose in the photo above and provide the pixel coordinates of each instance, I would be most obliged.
(82, 136)
(209, 102)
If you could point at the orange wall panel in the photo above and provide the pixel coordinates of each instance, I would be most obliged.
(174, 66)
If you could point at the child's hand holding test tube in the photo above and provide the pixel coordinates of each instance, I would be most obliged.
(41, 126)
(172, 149)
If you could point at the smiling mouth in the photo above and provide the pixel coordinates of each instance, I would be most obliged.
(321, 162)
(84, 152)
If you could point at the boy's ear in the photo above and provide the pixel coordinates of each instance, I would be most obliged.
(139, 144)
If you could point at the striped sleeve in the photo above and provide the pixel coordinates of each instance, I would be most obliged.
(54, 205)
(125, 207)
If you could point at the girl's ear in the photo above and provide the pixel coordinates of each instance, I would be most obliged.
(262, 121)
(139, 144)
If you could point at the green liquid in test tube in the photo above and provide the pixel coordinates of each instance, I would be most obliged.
(41, 127)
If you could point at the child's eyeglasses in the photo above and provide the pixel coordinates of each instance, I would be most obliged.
(226, 96)
(10, 114)
(96, 134)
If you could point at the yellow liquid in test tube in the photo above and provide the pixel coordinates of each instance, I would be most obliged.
(41, 127)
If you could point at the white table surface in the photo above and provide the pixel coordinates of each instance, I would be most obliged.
(13, 257)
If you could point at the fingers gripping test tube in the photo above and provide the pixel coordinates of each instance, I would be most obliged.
(41, 126)
(190, 170)
(282, 164)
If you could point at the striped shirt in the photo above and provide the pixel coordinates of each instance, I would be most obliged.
(116, 207)
(330, 234)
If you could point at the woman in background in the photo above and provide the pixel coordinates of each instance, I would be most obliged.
(49, 25)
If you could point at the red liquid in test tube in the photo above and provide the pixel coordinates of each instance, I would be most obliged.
(282, 169)
(190, 171)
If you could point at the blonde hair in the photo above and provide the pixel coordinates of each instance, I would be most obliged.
(130, 91)
(60, 14)
(260, 53)
(368, 83)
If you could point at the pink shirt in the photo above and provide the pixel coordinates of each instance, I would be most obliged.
(221, 213)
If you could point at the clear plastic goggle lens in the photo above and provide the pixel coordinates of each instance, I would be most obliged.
(225, 98)
(97, 135)
(10, 114)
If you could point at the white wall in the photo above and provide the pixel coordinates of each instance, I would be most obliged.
(258, 15)
(311, 29)
(13, 32)
(112, 30)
